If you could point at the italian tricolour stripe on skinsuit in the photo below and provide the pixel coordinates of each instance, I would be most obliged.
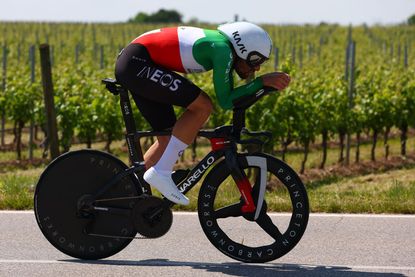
(187, 38)
(173, 47)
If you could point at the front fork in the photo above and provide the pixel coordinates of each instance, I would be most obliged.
(241, 181)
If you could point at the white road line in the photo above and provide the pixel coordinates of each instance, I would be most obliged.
(158, 263)
(364, 215)
(272, 214)
(16, 212)
(329, 215)
(370, 267)
(30, 262)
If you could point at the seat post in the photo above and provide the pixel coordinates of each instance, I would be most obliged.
(134, 147)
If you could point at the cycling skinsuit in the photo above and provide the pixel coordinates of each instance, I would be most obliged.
(148, 65)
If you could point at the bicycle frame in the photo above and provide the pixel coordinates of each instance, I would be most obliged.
(223, 141)
(223, 145)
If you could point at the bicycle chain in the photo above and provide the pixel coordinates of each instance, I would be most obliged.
(111, 236)
(119, 237)
(119, 198)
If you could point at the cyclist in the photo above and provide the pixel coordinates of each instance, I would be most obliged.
(148, 67)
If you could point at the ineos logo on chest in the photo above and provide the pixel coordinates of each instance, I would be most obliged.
(159, 76)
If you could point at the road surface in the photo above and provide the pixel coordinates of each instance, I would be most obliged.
(333, 245)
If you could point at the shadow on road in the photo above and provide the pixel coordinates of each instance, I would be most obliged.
(241, 269)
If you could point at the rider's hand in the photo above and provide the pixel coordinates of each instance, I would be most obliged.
(277, 80)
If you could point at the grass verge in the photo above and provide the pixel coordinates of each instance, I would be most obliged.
(16, 190)
(385, 192)
(367, 187)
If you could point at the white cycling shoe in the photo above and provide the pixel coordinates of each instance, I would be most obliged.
(166, 186)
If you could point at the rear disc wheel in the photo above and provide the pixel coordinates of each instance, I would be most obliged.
(68, 182)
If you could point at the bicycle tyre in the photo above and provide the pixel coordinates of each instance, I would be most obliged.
(65, 180)
(283, 242)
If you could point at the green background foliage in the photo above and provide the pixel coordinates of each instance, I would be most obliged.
(315, 103)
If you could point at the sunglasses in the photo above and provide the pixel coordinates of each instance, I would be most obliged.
(255, 59)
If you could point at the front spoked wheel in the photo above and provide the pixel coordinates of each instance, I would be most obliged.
(273, 229)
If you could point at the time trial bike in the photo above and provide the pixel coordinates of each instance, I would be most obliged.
(91, 205)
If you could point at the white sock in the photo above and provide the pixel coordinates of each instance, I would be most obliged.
(173, 151)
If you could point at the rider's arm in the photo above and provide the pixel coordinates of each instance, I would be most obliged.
(223, 81)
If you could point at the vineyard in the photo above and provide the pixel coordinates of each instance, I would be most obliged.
(349, 86)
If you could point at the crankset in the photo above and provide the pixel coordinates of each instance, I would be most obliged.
(152, 217)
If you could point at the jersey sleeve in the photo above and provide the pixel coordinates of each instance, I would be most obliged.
(223, 81)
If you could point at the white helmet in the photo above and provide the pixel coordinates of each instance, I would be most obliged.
(251, 42)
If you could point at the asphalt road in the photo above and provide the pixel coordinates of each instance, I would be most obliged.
(333, 245)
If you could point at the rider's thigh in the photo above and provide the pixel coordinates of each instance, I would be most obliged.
(160, 116)
(202, 103)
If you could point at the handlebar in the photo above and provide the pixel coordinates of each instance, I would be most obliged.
(247, 101)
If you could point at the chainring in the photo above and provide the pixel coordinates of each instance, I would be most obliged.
(151, 217)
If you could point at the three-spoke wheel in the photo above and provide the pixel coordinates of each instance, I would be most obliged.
(259, 236)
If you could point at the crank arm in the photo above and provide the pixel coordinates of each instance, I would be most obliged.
(111, 210)
(114, 236)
